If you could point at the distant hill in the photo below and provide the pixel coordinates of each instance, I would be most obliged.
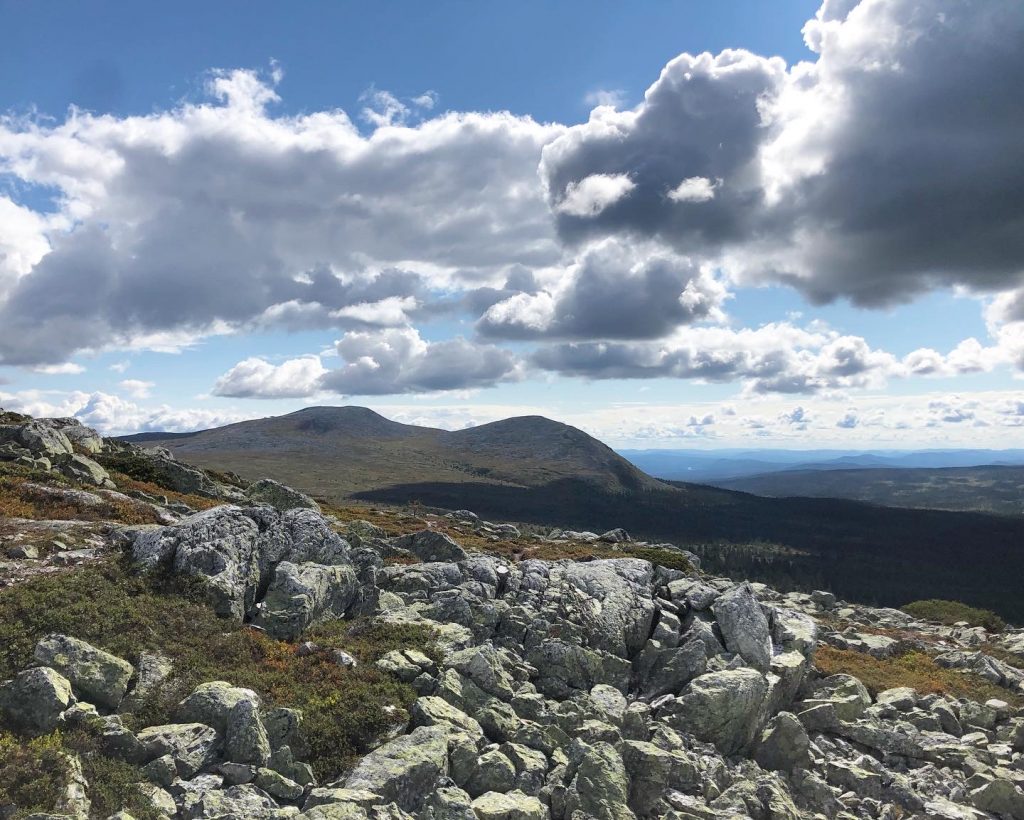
(992, 488)
(533, 469)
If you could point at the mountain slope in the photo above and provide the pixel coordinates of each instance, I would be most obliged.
(336, 452)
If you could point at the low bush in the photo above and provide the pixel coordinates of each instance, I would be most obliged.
(914, 669)
(22, 498)
(33, 774)
(345, 709)
(951, 612)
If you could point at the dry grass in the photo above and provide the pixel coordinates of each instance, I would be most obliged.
(127, 484)
(21, 498)
(914, 669)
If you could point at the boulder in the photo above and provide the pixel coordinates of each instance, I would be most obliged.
(430, 546)
(404, 770)
(34, 700)
(511, 806)
(300, 595)
(600, 787)
(212, 703)
(246, 739)
(721, 708)
(278, 495)
(218, 545)
(744, 626)
(96, 676)
(192, 746)
(784, 744)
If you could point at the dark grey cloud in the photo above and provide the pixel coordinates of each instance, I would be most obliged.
(890, 165)
(400, 361)
(699, 121)
(614, 291)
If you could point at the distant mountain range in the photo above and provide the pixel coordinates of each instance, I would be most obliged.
(995, 489)
(717, 466)
(533, 469)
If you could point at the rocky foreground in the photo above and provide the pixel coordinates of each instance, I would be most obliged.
(611, 688)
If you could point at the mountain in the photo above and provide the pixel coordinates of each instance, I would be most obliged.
(532, 469)
(336, 452)
(992, 488)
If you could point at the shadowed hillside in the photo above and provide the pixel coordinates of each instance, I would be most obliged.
(995, 488)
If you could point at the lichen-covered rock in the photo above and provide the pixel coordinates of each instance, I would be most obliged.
(429, 545)
(405, 769)
(721, 708)
(192, 746)
(303, 594)
(784, 744)
(434, 711)
(600, 785)
(511, 806)
(212, 703)
(34, 700)
(96, 676)
(246, 739)
(278, 495)
(744, 626)
(218, 545)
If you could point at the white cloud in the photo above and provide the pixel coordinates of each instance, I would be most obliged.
(136, 388)
(591, 195)
(65, 369)
(260, 379)
(693, 189)
(214, 215)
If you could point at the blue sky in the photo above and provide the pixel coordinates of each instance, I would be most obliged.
(687, 224)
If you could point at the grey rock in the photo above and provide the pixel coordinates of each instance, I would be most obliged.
(511, 806)
(192, 746)
(246, 739)
(300, 595)
(744, 626)
(212, 703)
(34, 700)
(600, 786)
(278, 495)
(429, 545)
(405, 769)
(96, 676)
(721, 708)
(784, 744)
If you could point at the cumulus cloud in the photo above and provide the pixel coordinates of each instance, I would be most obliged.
(257, 378)
(401, 361)
(774, 358)
(113, 415)
(614, 290)
(593, 194)
(223, 213)
(136, 388)
(890, 164)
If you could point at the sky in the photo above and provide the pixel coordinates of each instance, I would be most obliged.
(674, 224)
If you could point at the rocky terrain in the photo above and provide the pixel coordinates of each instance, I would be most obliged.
(559, 674)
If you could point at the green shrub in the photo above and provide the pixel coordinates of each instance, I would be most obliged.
(345, 709)
(33, 774)
(951, 612)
